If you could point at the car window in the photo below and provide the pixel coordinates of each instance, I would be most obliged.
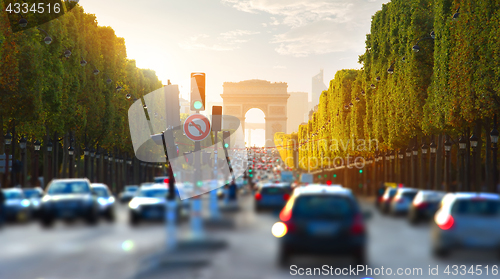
(12, 195)
(476, 207)
(409, 195)
(32, 194)
(323, 206)
(272, 190)
(77, 187)
(101, 192)
(153, 193)
(391, 192)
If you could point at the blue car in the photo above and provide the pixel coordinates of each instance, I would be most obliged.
(272, 196)
(16, 206)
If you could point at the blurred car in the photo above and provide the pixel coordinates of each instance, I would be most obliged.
(16, 205)
(322, 220)
(466, 220)
(34, 195)
(272, 195)
(69, 199)
(105, 199)
(386, 199)
(128, 193)
(160, 179)
(401, 202)
(424, 205)
(381, 190)
(149, 204)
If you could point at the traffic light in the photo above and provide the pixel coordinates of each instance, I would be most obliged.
(226, 135)
(197, 91)
(189, 157)
(360, 171)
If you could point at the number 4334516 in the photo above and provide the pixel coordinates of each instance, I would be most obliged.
(35, 8)
(471, 270)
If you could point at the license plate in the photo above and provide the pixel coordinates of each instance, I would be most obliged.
(322, 229)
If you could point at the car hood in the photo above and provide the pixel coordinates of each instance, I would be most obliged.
(145, 200)
(66, 197)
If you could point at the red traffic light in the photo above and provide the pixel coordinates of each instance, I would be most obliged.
(329, 182)
(166, 180)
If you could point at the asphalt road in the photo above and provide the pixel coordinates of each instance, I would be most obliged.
(119, 251)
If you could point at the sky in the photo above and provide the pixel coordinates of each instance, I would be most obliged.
(234, 40)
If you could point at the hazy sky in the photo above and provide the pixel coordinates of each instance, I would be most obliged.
(234, 40)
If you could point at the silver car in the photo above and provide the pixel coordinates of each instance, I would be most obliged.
(105, 199)
(401, 202)
(466, 220)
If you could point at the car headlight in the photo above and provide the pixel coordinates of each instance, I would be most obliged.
(25, 203)
(102, 201)
(133, 205)
(35, 203)
(111, 199)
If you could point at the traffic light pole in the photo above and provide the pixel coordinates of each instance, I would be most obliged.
(214, 209)
(171, 208)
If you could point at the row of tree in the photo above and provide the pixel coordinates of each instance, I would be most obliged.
(43, 92)
(450, 86)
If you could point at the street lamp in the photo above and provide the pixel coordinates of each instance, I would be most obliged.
(456, 14)
(49, 146)
(7, 140)
(447, 163)
(473, 141)
(433, 148)
(23, 22)
(22, 143)
(372, 86)
(71, 151)
(462, 144)
(37, 145)
(47, 39)
(494, 149)
(425, 148)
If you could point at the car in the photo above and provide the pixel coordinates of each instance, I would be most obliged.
(69, 199)
(128, 193)
(271, 195)
(424, 205)
(401, 202)
(466, 220)
(160, 179)
(106, 201)
(34, 195)
(385, 203)
(149, 204)
(381, 190)
(321, 220)
(16, 206)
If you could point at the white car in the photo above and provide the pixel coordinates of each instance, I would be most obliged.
(466, 220)
(128, 193)
(105, 199)
(401, 202)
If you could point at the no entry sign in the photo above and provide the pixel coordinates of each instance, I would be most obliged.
(196, 127)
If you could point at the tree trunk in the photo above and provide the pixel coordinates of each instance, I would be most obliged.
(487, 162)
(438, 182)
(477, 159)
(65, 169)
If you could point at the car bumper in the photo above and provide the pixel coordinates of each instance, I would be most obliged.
(327, 246)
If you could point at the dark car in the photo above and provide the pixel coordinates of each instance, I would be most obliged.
(34, 195)
(424, 205)
(387, 197)
(16, 206)
(322, 220)
(105, 199)
(69, 199)
(128, 193)
(272, 196)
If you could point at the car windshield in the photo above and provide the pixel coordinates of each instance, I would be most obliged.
(272, 190)
(12, 195)
(409, 195)
(101, 192)
(131, 188)
(479, 207)
(153, 193)
(73, 187)
(323, 207)
(32, 194)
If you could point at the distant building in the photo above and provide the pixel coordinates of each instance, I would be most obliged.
(318, 86)
(185, 105)
(297, 109)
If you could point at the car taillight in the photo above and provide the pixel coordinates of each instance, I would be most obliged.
(357, 226)
(444, 220)
(421, 205)
(286, 197)
(258, 196)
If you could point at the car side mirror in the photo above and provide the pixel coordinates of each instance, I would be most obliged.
(367, 215)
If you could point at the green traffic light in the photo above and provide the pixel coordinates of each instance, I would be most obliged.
(325, 175)
(334, 175)
(250, 170)
(360, 171)
(226, 145)
(199, 183)
(251, 175)
(198, 105)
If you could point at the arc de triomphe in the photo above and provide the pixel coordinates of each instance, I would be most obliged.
(271, 98)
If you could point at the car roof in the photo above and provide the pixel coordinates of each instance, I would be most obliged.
(131, 186)
(102, 185)
(321, 189)
(12, 190)
(466, 195)
(156, 187)
(70, 180)
(407, 190)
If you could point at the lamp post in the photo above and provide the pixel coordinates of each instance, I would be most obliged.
(423, 180)
(111, 176)
(34, 173)
(414, 165)
(71, 152)
(98, 165)
(473, 143)
(494, 149)
(7, 140)
(130, 176)
(462, 145)
(92, 156)
(24, 174)
(86, 153)
(386, 166)
(401, 157)
(408, 167)
(392, 165)
(447, 163)
(433, 149)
